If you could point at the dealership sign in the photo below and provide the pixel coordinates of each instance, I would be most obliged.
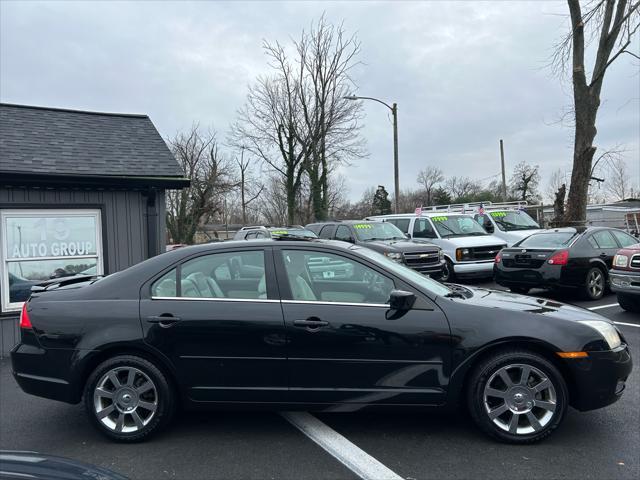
(43, 236)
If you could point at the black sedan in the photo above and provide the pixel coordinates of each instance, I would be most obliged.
(562, 258)
(197, 328)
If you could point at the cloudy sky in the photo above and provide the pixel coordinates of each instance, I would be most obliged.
(463, 74)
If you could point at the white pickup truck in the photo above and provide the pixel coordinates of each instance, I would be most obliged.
(468, 248)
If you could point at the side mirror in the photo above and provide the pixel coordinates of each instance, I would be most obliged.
(401, 300)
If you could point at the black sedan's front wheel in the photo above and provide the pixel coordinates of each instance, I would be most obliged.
(517, 396)
(128, 398)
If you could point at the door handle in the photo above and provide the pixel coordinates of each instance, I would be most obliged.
(311, 323)
(164, 320)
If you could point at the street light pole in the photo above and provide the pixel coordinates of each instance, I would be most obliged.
(396, 172)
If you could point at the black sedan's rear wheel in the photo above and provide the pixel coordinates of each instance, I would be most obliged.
(128, 398)
(517, 396)
(595, 285)
(631, 303)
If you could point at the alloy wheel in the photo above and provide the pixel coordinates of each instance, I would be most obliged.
(520, 399)
(595, 283)
(125, 399)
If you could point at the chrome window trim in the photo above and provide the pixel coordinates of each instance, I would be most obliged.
(348, 304)
(218, 299)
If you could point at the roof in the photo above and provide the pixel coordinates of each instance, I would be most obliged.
(45, 142)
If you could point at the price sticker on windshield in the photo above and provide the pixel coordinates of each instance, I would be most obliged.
(439, 219)
(498, 214)
(363, 225)
(279, 232)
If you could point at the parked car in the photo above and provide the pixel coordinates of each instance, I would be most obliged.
(385, 238)
(175, 330)
(20, 288)
(509, 224)
(468, 249)
(625, 277)
(20, 465)
(262, 231)
(576, 258)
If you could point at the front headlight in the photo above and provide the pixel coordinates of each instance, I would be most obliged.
(620, 261)
(605, 329)
(395, 256)
(461, 253)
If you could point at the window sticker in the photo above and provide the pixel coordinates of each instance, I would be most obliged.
(363, 226)
(279, 232)
(439, 219)
(498, 214)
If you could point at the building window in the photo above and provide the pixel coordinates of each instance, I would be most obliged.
(38, 245)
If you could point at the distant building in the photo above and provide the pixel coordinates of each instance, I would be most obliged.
(79, 192)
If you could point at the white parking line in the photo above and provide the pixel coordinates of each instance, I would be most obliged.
(351, 456)
(628, 324)
(600, 307)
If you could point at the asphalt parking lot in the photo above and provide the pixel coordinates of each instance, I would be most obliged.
(593, 445)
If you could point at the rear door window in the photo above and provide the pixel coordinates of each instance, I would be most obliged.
(343, 233)
(238, 275)
(604, 239)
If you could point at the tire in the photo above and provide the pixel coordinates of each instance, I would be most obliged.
(548, 406)
(448, 274)
(520, 290)
(128, 398)
(595, 284)
(630, 303)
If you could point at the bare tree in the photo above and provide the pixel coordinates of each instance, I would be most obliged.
(611, 25)
(326, 57)
(430, 178)
(249, 188)
(460, 188)
(556, 180)
(270, 126)
(524, 181)
(210, 175)
(618, 182)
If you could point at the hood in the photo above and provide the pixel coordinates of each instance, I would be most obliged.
(402, 246)
(523, 303)
(474, 241)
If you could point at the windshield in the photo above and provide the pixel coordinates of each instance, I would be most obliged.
(406, 272)
(298, 232)
(511, 220)
(378, 231)
(548, 240)
(457, 226)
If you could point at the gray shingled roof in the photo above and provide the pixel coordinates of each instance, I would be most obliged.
(42, 140)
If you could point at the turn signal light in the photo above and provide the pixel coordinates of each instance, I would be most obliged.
(498, 258)
(25, 321)
(559, 258)
(572, 354)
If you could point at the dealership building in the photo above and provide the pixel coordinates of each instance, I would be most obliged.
(80, 192)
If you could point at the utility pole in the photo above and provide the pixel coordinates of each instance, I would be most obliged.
(396, 174)
(504, 178)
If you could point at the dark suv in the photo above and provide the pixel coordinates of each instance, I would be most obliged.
(387, 239)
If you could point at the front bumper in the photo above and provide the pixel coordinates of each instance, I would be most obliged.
(599, 380)
(474, 269)
(625, 282)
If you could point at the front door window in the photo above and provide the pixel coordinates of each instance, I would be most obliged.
(326, 277)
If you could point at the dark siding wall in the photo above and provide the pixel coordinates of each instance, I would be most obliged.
(123, 218)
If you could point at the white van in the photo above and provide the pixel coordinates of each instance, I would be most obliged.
(507, 221)
(468, 248)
